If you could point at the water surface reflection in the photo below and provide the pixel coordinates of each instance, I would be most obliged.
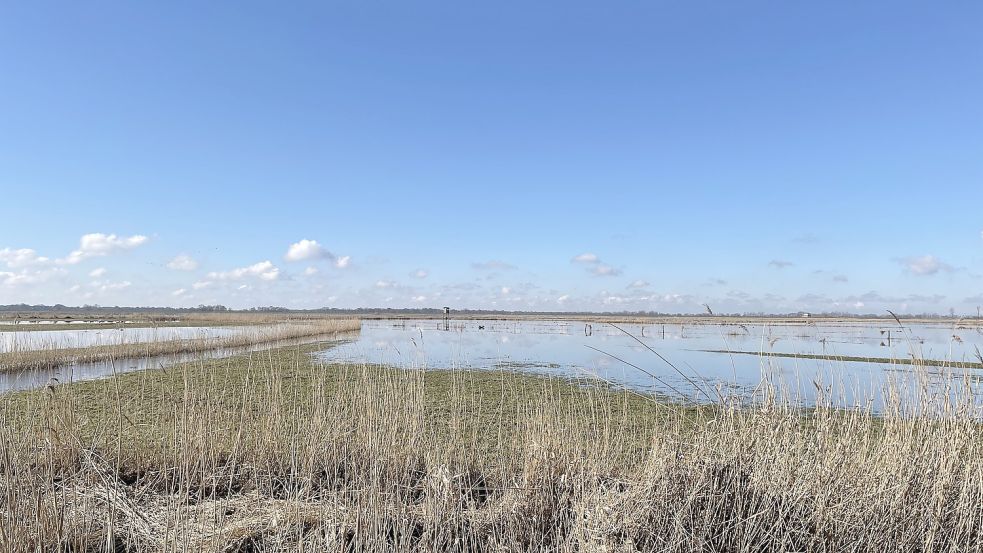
(690, 371)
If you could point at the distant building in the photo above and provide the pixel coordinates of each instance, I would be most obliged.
(805, 315)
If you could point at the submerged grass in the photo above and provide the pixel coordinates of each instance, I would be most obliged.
(271, 451)
(914, 361)
(28, 358)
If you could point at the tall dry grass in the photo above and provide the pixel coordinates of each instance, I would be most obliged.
(271, 452)
(33, 357)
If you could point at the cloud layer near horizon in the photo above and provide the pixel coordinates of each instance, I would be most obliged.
(324, 279)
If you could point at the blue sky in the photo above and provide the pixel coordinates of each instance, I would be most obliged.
(552, 156)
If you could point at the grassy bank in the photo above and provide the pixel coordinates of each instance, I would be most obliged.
(30, 358)
(269, 451)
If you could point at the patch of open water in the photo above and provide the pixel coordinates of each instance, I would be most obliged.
(33, 378)
(75, 338)
(689, 367)
(690, 370)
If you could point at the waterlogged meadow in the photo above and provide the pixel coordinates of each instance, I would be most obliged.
(518, 436)
(691, 360)
(37, 358)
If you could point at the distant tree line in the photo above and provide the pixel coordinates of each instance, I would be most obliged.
(389, 311)
(96, 308)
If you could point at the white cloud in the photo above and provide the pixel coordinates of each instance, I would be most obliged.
(201, 284)
(780, 263)
(638, 284)
(563, 298)
(419, 299)
(310, 271)
(605, 270)
(924, 265)
(90, 245)
(178, 292)
(99, 245)
(307, 249)
(265, 270)
(97, 273)
(506, 290)
(594, 264)
(343, 262)
(270, 273)
(385, 284)
(183, 263)
(420, 273)
(23, 257)
(27, 276)
(586, 258)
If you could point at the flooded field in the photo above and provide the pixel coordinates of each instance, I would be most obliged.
(72, 338)
(855, 361)
(30, 323)
(700, 362)
(33, 379)
(30, 360)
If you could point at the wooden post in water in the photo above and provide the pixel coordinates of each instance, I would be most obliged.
(447, 314)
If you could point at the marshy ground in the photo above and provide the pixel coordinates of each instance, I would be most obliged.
(272, 451)
(49, 355)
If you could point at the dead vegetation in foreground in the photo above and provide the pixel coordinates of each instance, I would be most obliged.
(270, 452)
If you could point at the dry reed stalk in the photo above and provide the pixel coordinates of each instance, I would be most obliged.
(273, 452)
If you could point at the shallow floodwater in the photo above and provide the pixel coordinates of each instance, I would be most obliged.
(68, 338)
(60, 322)
(34, 379)
(577, 349)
